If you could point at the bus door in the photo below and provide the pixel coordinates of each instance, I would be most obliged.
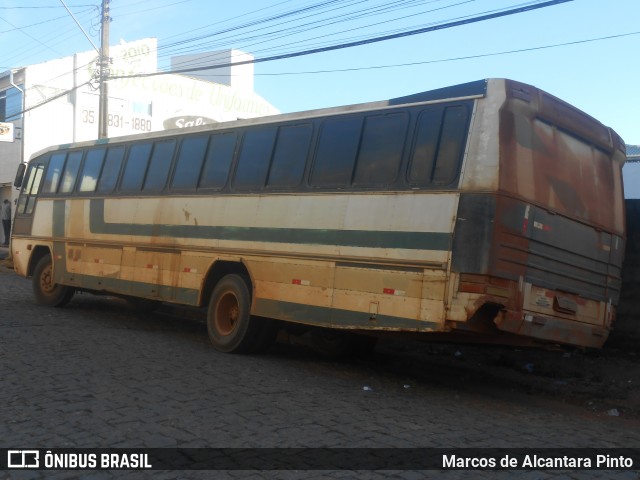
(23, 220)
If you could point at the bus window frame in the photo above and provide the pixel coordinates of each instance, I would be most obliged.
(186, 190)
(302, 184)
(72, 189)
(237, 133)
(116, 182)
(144, 189)
(125, 163)
(431, 184)
(88, 151)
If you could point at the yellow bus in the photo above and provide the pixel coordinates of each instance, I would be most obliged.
(489, 211)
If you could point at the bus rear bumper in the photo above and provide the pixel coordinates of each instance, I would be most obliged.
(552, 329)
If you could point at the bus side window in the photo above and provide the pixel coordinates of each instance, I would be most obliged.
(91, 170)
(159, 167)
(381, 148)
(71, 171)
(111, 170)
(290, 156)
(27, 198)
(336, 153)
(425, 145)
(54, 173)
(135, 167)
(189, 163)
(218, 161)
(452, 144)
(254, 158)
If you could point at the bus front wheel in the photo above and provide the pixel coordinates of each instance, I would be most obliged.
(47, 292)
(230, 325)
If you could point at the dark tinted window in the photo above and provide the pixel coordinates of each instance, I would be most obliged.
(111, 170)
(336, 153)
(440, 142)
(426, 143)
(253, 162)
(158, 171)
(71, 172)
(27, 199)
(136, 167)
(290, 156)
(218, 161)
(452, 143)
(91, 170)
(189, 163)
(381, 149)
(54, 173)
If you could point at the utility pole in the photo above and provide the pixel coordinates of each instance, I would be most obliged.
(103, 112)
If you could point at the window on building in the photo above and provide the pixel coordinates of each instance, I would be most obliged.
(11, 104)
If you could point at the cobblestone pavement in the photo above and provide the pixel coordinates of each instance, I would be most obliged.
(96, 374)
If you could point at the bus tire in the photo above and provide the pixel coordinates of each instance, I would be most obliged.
(45, 291)
(229, 323)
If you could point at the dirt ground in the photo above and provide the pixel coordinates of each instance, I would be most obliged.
(605, 382)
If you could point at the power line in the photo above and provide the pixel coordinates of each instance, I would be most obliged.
(378, 39)
(453, 59)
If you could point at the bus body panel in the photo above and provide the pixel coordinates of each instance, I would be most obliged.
(522, 243)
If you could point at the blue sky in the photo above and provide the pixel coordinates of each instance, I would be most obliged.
(600, 77)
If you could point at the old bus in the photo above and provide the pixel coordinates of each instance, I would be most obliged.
(487, 211)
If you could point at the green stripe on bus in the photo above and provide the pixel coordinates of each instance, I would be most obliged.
(186, 296)
(306, 236)
(331, 317)
(58, 218)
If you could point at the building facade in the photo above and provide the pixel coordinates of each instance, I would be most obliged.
(57, 102)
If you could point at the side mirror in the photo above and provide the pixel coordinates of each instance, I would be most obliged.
(19, 175)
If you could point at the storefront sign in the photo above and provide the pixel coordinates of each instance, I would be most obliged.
(6, 132)
(187, 121)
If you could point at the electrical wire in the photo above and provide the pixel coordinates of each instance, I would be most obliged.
(480, 18)
(453, 59)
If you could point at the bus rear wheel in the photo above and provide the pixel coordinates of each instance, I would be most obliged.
(47, 292)
(230, 325)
